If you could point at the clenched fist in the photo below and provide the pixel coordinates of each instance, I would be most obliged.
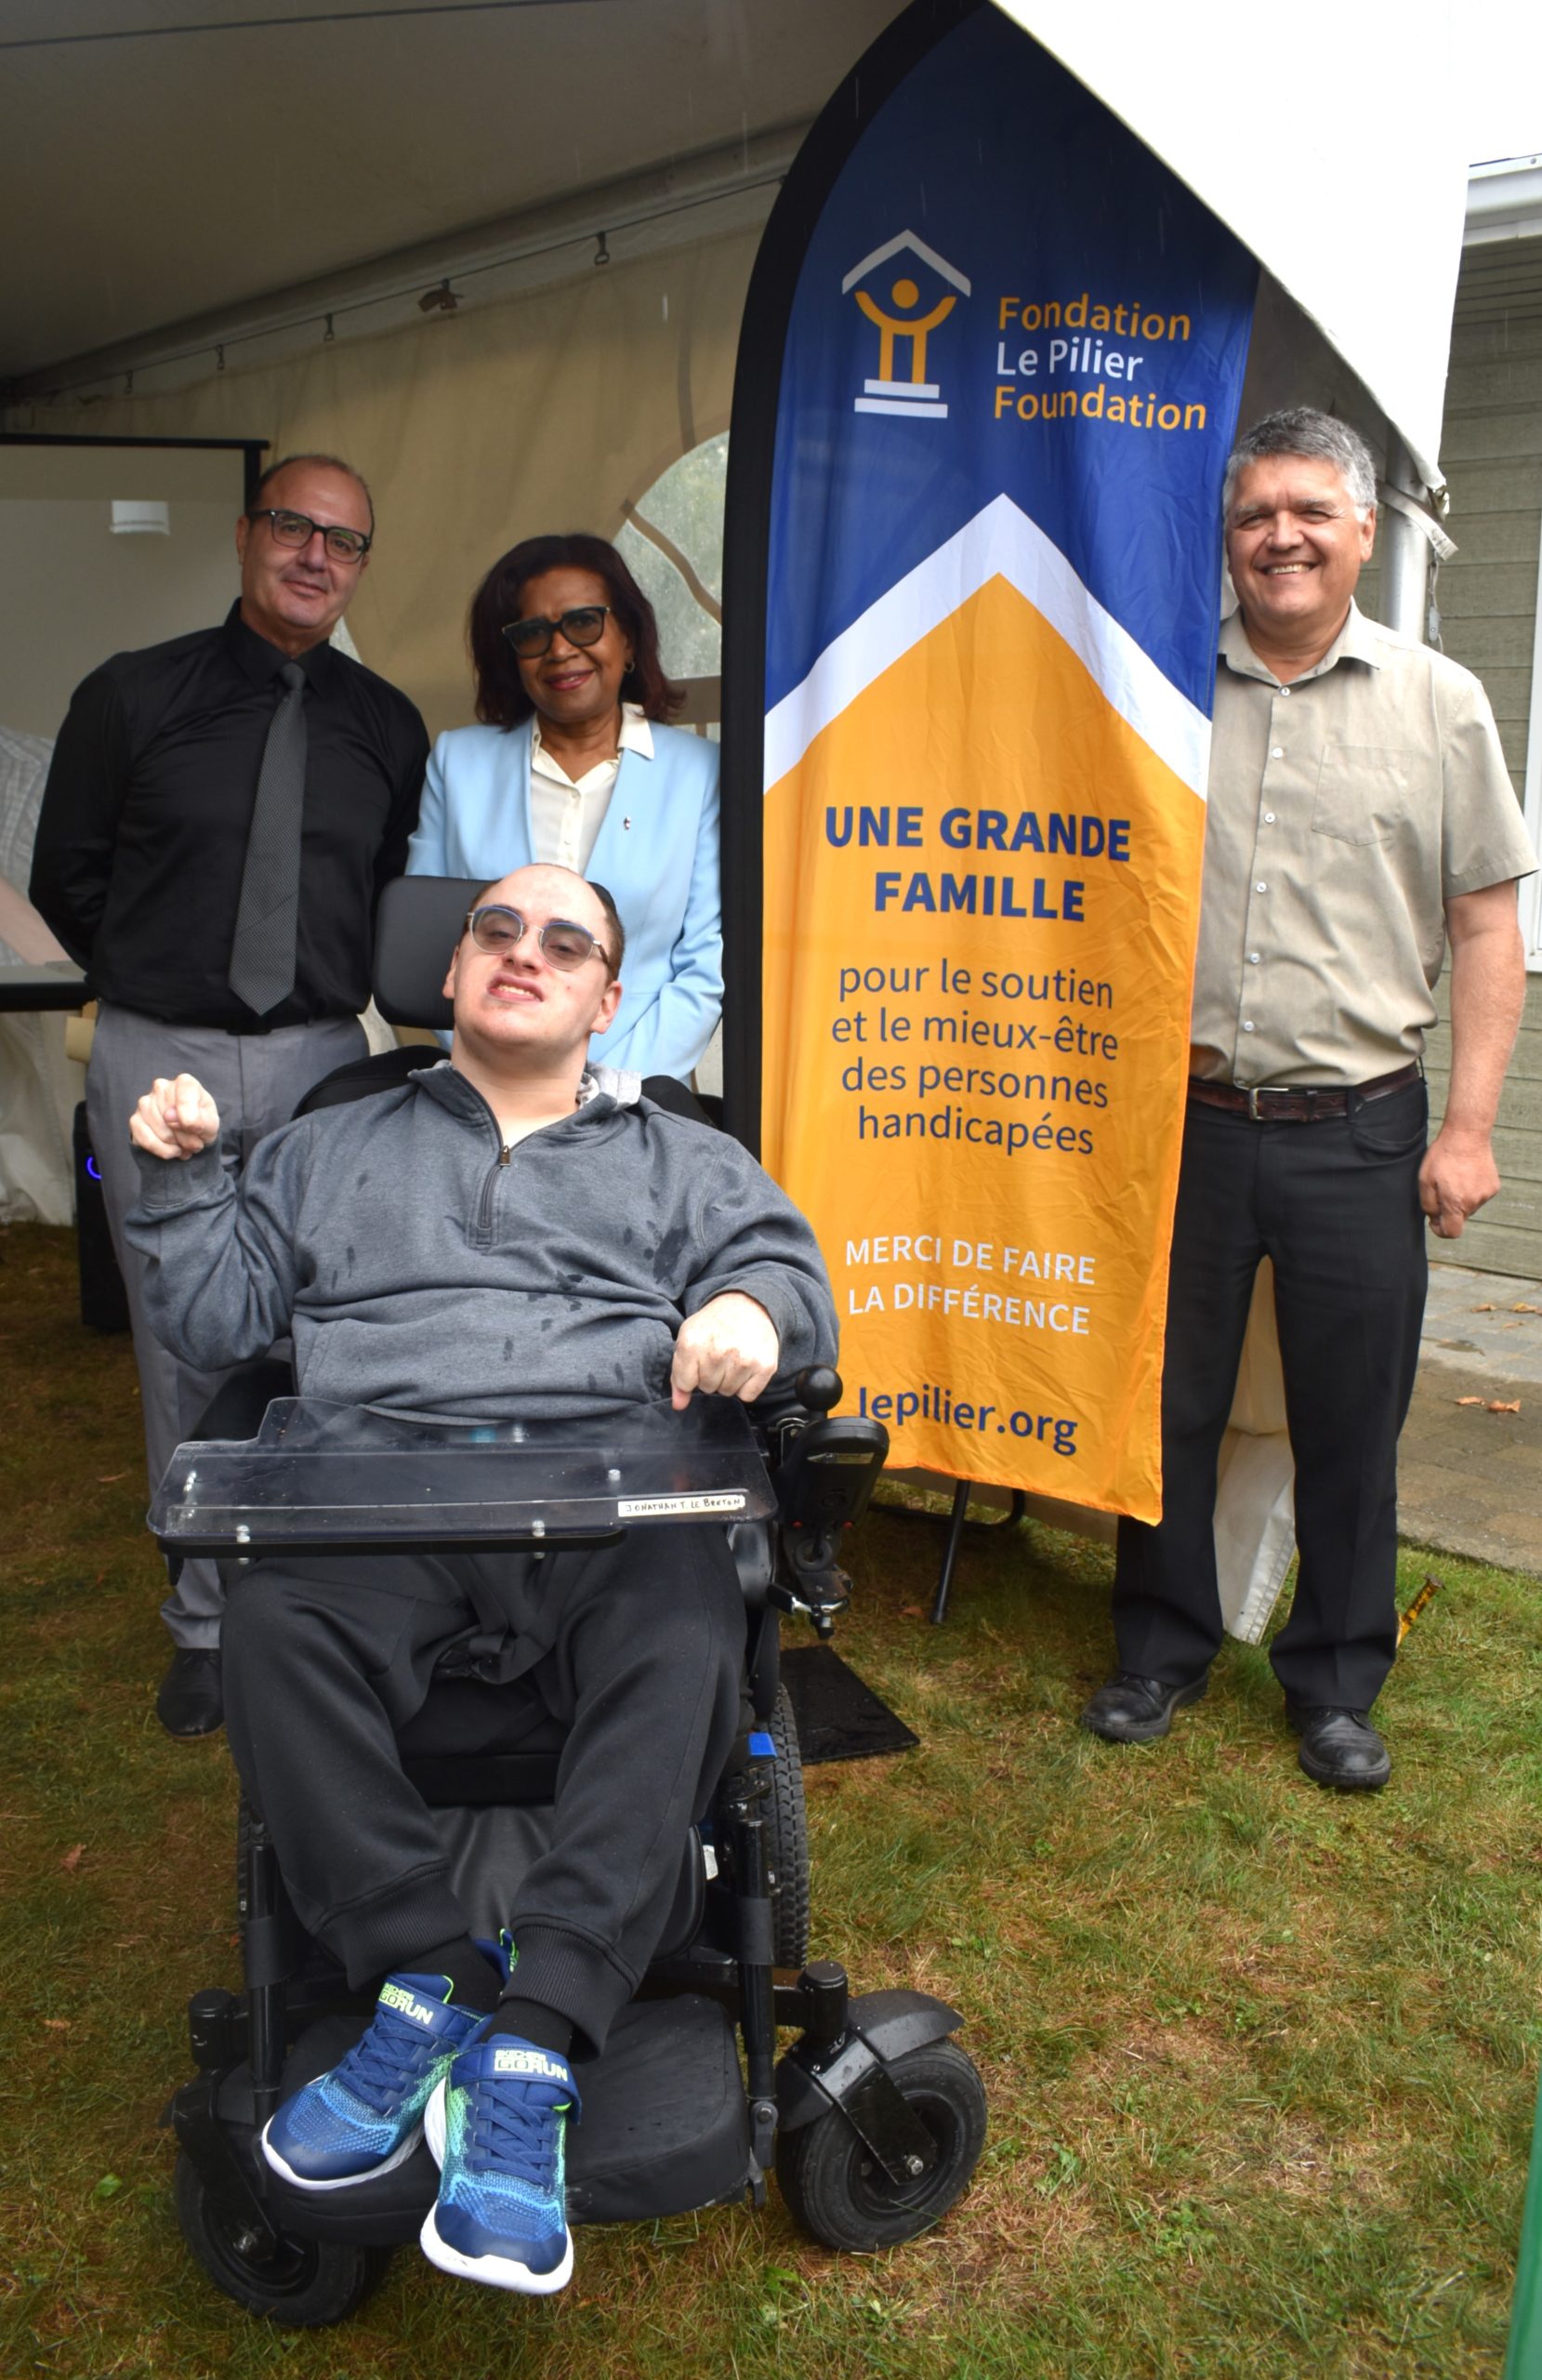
(1458, 1177)
(174, 1119)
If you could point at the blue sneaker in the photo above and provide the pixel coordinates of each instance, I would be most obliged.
(364, 2116)
(497, 2127)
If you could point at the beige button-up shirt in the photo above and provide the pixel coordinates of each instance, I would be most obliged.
(1344, 809)
(566, 813)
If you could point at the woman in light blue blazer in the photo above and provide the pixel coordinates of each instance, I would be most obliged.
(574, 762)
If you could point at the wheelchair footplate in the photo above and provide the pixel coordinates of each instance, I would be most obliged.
(665, 2130)
(325, 1479)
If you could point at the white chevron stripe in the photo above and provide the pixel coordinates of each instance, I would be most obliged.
(999, 542)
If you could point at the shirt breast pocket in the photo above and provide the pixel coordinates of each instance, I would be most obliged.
(1365, 791)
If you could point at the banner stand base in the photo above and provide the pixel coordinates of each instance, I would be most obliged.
(1013, 1504)
(963, 1491)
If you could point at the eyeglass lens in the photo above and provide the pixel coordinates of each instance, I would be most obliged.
(496, 930)
(586, 625)
(297, 529)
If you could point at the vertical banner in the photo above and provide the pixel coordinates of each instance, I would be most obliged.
(987, 382)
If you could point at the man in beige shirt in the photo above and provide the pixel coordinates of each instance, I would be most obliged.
(1360, 818)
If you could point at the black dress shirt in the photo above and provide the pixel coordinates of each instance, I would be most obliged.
(142, 836)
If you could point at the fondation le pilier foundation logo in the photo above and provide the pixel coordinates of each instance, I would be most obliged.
(905, 311)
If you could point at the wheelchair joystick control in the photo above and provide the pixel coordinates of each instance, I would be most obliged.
(825, 1471)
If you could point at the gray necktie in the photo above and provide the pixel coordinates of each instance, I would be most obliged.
(262, 955)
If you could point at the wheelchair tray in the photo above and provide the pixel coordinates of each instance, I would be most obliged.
(321, 1477)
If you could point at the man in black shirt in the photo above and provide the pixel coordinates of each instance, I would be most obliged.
(220, 815)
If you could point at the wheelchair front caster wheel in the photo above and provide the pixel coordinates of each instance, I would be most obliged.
(836, 2187)
(299, 2284)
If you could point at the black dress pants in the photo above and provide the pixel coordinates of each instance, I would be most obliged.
(635, 1649)
(1336, 1205)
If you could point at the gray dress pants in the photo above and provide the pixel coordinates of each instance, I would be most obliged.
(255, 1080)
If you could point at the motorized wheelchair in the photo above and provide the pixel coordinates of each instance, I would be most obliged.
(873, 2117)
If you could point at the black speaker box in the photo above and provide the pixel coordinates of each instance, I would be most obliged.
(103, 1300)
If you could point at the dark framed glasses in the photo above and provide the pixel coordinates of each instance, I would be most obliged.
(561, 943)
(297, 529)
(584, 624)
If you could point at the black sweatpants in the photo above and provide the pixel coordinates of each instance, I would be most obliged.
(636, 1648)
(1336, 1205)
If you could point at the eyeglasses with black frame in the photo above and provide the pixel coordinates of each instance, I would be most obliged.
(583, 626)
(563, 945)
(297, 529)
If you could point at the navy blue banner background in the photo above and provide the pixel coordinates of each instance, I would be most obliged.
(1023, 182)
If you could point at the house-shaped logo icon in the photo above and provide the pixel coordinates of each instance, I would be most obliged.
(904, 311)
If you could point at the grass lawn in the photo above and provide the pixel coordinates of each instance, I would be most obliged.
(1262, 2059)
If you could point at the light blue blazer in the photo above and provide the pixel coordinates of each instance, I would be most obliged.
(657, 853)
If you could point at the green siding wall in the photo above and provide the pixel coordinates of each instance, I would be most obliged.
(1507, 1238)
(1487, 596)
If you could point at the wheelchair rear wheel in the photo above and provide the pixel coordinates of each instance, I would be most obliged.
(299, 2284)
(836, 2187)
(790, 1841)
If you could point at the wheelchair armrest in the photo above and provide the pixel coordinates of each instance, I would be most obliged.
(750, 1544)
(236, 1408)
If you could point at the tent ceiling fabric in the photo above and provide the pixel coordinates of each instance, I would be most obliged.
(1321, 139)
(169, 176)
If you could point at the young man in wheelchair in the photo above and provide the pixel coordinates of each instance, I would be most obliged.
(510, 1234)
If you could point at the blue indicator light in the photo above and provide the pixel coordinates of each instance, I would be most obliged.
(93, 1169)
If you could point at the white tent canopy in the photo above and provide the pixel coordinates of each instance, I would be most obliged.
(187, 166)
(1320, 139)
(191, 162)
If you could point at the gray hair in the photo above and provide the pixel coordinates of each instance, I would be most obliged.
(1301, 429)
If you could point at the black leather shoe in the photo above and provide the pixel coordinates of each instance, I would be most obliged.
(1131, 1710)
(190, 1702)
(1341, 1749)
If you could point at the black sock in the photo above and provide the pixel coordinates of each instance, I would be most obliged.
(542, 2028)
(472, 1977)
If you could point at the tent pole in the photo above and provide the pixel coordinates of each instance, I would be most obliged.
(1404, 550)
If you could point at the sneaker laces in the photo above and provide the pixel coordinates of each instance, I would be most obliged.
(514, 2127)
(391, 2053)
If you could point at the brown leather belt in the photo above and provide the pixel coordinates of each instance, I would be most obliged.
(1289, 1106)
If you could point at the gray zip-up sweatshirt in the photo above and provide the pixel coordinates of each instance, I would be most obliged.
(422, 1266)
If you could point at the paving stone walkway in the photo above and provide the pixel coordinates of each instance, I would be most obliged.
(1469, 1481)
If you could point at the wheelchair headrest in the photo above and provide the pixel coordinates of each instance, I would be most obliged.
(416, 928)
